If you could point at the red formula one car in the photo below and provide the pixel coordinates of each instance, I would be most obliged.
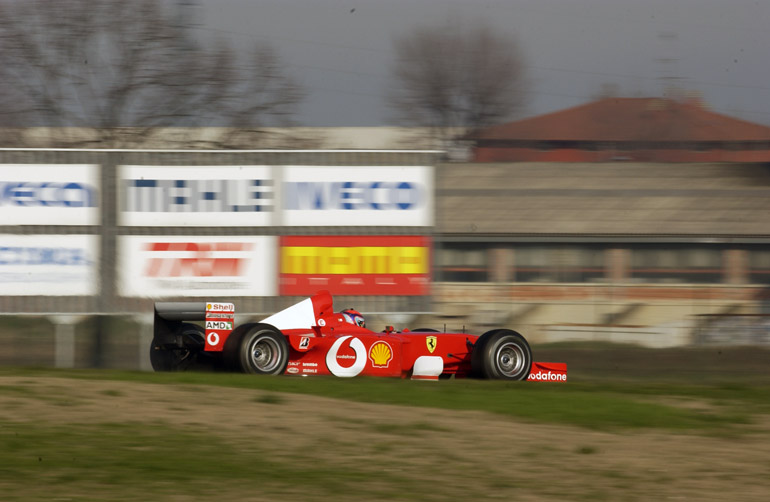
(309, 338)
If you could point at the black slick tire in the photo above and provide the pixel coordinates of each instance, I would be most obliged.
(262, 350)
(501, 354)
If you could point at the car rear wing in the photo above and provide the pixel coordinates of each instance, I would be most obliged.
(180, 311)
(168, 319)
(219, 321)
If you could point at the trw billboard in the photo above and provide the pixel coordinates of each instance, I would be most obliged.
(355, 265)
(157, 266)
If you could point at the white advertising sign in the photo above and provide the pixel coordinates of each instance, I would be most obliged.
(49, 194)
(215, 196)
(158, 266)
(357, 196)
(49, 265)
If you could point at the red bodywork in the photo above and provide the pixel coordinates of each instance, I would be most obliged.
(346, 350)
(322, 343)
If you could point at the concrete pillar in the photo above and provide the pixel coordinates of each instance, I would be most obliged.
(617, 263)
(499, 261)
(736, 266)
(64, 339)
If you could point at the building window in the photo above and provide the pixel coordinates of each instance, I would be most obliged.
(558, 264)
(460, 262)
(704, 146)
(759, 266)
(676, 264)
(588, 263)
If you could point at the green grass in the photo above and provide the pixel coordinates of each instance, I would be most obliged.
(108, 461)
(671, 392)
(592, 404)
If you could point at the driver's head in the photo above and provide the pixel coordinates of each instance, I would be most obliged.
(354, 317)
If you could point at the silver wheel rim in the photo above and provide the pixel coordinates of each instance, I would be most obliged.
(265, 354)
(510, 359)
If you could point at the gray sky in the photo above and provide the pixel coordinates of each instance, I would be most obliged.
(719, 48)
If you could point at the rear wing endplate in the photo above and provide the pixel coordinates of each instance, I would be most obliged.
(219, 318)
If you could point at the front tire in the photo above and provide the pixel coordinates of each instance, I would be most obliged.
(502, 354)
(263, 350)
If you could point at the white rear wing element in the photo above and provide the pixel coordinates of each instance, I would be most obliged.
(298, 316)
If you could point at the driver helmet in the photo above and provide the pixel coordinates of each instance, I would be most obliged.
(353, 316)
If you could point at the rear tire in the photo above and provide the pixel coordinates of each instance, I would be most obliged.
(263, 350)
(501, 354)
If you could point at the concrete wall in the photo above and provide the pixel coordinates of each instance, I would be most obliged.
(651, 315)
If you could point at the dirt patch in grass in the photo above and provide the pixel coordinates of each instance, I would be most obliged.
(310, 448)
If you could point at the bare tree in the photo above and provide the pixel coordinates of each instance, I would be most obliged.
(450, 76)
(265, 96)
(123, 63)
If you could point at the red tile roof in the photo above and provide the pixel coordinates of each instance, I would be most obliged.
(630, 119)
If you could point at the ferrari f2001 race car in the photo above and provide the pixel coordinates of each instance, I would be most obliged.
(309, 338)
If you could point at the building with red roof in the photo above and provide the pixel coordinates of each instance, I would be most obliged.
(620, 129)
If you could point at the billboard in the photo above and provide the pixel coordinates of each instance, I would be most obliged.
(49, 194)
(355, 265)
(158, 266)
(223, 196)
(216, 196)
(51, 265)
(357, 196)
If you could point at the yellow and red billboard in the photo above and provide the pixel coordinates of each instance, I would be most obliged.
(355, 265)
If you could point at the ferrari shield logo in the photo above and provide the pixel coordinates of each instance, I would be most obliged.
(431, 342)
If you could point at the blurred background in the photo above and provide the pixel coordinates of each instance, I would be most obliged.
(578, 173)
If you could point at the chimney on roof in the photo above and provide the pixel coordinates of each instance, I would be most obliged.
(657, 104)
(694, 98)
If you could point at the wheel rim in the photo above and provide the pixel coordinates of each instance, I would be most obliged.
(265, 354)
(510, 359)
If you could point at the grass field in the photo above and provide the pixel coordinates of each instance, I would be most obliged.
(607, 434)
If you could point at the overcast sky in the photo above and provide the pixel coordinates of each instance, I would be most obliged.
(341, 50)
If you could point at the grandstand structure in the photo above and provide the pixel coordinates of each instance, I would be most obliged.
(641, 219)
